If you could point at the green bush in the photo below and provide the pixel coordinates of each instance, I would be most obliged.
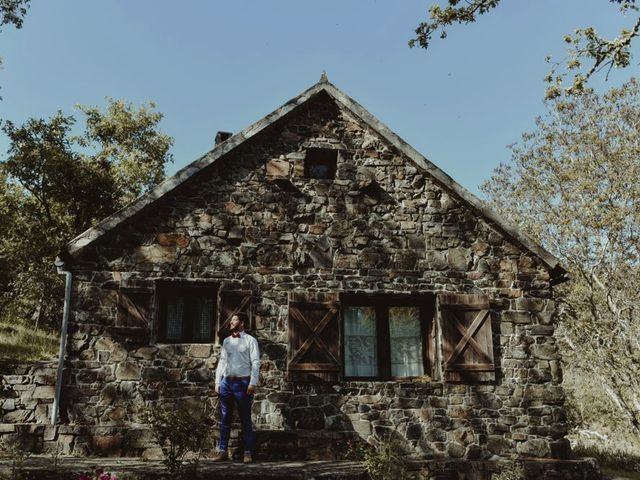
(181, 432)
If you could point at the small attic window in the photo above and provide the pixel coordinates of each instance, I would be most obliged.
(320, 163)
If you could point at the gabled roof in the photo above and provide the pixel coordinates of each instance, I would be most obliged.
(75, 246)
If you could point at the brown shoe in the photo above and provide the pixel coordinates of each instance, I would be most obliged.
(247, 457)
(220, 456)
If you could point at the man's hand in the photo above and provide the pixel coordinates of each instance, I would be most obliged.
(251, 389)
(217, 388)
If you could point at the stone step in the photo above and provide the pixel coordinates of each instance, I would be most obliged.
(40, 467)
(114, 441)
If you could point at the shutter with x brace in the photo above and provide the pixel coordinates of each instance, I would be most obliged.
(467, 341)
(134, 308)
(314, 336)
(231, 303)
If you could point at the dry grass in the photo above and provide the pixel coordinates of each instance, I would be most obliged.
(21, 343)
(624, 463)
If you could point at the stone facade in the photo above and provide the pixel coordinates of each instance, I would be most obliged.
(252, 221)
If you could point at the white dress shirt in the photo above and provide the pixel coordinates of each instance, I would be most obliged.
(239, 357)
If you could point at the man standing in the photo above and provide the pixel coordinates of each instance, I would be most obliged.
(236, 380)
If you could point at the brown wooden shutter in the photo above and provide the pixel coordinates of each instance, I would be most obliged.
(232, 303)
(466, 337)
(314, 336)
(134, 308)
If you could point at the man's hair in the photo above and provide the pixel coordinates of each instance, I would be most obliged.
(242, 317)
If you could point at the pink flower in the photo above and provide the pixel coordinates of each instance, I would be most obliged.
(104, 476)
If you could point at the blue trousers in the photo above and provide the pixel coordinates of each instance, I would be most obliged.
(235, 391)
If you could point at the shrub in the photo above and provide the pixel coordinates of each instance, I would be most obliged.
(383, 461)
(180, 432)
(510, 471)
(17, 457)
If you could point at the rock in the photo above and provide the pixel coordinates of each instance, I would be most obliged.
(44, 392)
(277, 168)
(480, 248)
(516, 317)
(534, 447)
(9, 404)
(458, 259)
(108, 395)
(199, 350)
(530, 304)
(223, 259)
(463, 436)
(309, 418)
(455, 450)
(172, 240)
(128, 371)
(546, 352)
(115, 414)
(107, 445)
(497, 444)
(146, 353)
(154, 254)
(560, 449)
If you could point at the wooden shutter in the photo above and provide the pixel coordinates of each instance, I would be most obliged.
(134, 308)
(232, 303)
(467, 342)
(314, 336)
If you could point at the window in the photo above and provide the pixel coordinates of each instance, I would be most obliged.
(320, 163)
(186, 312)
(387, 336)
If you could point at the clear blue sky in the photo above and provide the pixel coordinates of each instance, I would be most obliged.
(221, 65)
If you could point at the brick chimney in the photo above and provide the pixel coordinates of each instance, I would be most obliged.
(222, 136)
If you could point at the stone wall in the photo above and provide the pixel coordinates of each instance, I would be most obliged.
(27, 392)
(383, 225)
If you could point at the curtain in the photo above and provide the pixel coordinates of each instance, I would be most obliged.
(361, 359)
(175, 317)
(202, 321)
(406, 346)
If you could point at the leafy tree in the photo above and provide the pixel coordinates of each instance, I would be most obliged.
(12, 12)
(54, 185)
(585, 45)
(572, 185)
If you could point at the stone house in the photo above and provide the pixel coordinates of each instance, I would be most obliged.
(387, 300)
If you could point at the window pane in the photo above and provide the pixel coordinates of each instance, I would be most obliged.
(202, 321)
(406, 344)
(361, 359)
(319, 171)
(175, 317)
